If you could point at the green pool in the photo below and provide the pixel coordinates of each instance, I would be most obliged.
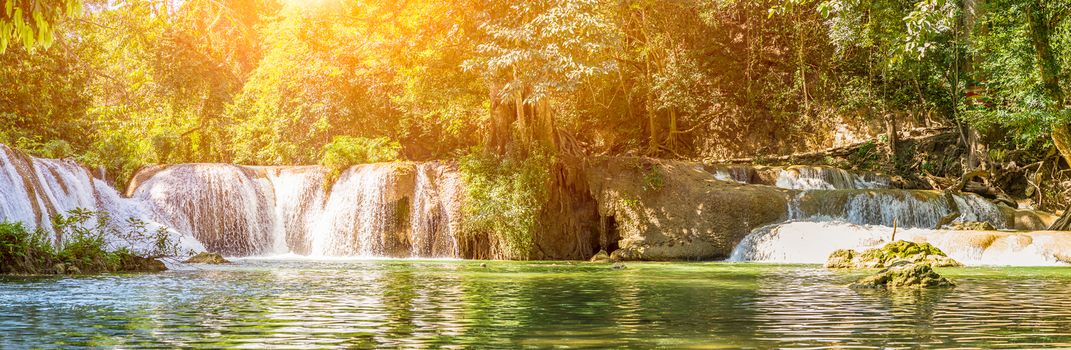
(460, 304)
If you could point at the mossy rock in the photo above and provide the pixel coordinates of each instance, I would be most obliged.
(889, 255)
(904, 275)
(207, 258)
(841, 259)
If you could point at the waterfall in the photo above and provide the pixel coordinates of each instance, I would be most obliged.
(19, 204)
(813, 242)
(432, 215)
(36, 189)
(827, 178)
(299, 198)
(225, 207)
(372, 210)
(920, 209)
(798, 177)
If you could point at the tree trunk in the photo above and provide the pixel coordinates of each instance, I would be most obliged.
(1049, 68)
(671, 134)
(1061, 136)
(892, 134)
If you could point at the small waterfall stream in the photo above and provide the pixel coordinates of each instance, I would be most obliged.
(834, 209)
(804, 242)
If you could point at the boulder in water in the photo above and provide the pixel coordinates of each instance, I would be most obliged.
(889, 255)
(904, 275)
(601, 257)
(207, 258)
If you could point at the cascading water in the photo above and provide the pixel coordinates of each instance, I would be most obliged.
(827, 178)
(374, 210)
(228, 208)
(922, 209)
(798, 177)
(838, 210)
(36, 189)
(813, 242)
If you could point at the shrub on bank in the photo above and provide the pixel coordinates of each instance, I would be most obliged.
(82, 246)
(505, 196)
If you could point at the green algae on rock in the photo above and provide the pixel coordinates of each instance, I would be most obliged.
(889, 255)
(904, 275)
(207, 258)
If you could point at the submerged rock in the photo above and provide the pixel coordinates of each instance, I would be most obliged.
(601, 257)
(889, 255)
(140, 264)
(207, 258)
(972, 226)
(904, 275)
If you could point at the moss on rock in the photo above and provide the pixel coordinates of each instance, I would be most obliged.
(905, 275)
(889, 255)
(207, 258)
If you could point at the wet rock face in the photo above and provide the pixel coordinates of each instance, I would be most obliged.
(904, 275)
(673, 210)
(207, 258)
(891, 254)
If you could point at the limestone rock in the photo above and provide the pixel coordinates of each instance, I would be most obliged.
(74, 270)
(889, 255)
(59, 268)
(675, 210)
(972, 226)
(601, 257)
(207, 258)
(905, 275)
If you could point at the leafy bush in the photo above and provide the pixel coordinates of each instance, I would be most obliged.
(23, 250)
(653, 181)
(505, 196)
(83, 243)
(346, 151)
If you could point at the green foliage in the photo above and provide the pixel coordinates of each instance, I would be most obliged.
(866, 156)
(23, 250)
(505, 197)
(653, 180)
(346, 151)
(32, 23)
(83, 238)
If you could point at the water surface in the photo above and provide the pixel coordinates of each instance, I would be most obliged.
(459, 304)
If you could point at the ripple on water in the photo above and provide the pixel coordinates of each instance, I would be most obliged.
(457, 304)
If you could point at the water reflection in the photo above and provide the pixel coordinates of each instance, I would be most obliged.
(453, 305)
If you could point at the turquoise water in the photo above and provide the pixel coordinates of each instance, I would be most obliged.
(459, 304)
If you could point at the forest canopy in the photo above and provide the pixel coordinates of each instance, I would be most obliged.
(120, 84)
